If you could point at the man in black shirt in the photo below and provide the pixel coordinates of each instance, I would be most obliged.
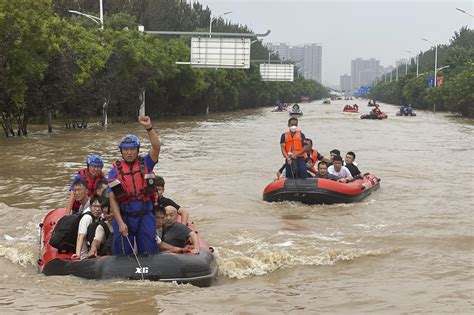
(163, 202)
(333, 153)
(349, 163)
(177, 234)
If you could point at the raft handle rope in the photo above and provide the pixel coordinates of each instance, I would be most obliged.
(294, 177)
(135, 254)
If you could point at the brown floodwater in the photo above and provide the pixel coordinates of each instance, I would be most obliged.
(407, 248)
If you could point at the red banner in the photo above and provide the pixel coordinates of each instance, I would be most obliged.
(439, 80)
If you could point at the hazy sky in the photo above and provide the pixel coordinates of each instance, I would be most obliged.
(347, 30)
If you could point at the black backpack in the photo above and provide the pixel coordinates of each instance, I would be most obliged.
(64, 236)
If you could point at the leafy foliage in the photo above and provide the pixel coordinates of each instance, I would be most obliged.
(456, 94)
(55, 63)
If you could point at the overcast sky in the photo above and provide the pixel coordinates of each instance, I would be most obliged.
(347, 30)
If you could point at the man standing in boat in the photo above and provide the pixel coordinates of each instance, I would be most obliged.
(131, 180)
(292, 149)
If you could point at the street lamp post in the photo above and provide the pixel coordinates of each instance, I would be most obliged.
(408, 51)
(101, 6)
(99, 20)
(436, 58)
(397, 72)
(461, 10)
(216, 17)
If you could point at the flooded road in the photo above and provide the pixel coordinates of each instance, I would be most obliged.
(408, 248)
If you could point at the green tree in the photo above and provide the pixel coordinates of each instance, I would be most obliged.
(25, 49)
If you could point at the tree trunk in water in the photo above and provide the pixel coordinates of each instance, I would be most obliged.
(50, 126)
(7, 124)
(22, 120)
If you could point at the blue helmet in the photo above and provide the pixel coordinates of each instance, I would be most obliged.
(129, 141)
(95, 160)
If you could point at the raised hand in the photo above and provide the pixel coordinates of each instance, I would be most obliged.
(145, 121)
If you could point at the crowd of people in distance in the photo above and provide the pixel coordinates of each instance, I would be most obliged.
(303, 161)
(126, 211)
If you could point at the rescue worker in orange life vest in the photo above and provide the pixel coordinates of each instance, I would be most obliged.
(92, 175)
(131, 181)
(293, 150)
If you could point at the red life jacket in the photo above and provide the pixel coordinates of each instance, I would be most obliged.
(293, 143)
(91, 185)
(91, 182)
(132, 180)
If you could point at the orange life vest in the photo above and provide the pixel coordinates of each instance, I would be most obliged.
(133, 180)
(295, 143)
(313, 155)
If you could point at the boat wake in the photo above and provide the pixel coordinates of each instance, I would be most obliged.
(252, 257)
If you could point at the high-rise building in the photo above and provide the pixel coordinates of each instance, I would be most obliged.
(345, 83)
(312, 61)
(363, 72)
(307, 57)
(282, 49)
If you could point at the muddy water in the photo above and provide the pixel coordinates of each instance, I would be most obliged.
(408, 248)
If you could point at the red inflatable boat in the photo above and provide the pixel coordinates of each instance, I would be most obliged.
(200, 270)
(351, 109)
(319, 190)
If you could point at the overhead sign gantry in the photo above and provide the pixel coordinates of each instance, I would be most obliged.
(222, 50)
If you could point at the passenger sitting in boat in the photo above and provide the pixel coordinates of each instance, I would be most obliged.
(80, 195)
(342, 173)
(351, 166)
(164, 202)
(310, 167)
(314, 153)
(100, 233)
(86, 220)
(323, 171)
(101, 188)
(376, 110)
(333, 153)
(293, 150)
(163, 246)
(409, 110)
(92, 174)
(177, 234)
(281, 172)
(279, 105)
(402, 110)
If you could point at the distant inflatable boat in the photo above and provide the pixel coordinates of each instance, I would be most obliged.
(351, 109)
(295, 110)
(200, 270)
(320, 191)
(373, 116)
(405, 114)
